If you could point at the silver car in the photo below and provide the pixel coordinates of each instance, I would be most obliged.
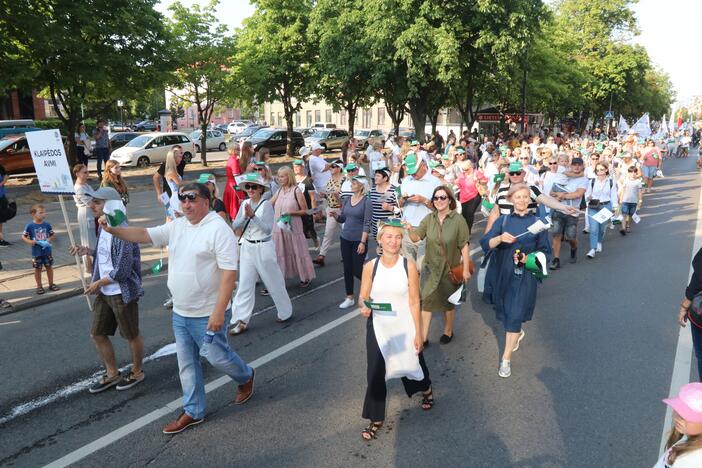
(215, 140)
(328, 139)
(366, 137)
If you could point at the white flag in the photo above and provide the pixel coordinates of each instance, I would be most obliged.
(642, 127)
(664, 127)
(623, 126)
(671, 122)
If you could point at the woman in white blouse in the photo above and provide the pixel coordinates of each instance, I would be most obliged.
(601, 193)
(86, 221)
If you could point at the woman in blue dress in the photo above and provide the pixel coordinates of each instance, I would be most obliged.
(508, 285)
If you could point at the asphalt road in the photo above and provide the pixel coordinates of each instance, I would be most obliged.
(585, 388)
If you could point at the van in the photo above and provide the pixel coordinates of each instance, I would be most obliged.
(17, 127)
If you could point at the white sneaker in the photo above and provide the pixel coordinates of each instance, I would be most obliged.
(519, 340)
(599, 247)
(348, 302)
(505, 369)
(591, 253)
(239, 328)
(169, 303)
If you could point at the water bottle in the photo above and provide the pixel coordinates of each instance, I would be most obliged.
(518, 267)
(209, 337)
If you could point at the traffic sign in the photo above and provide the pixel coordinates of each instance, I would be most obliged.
(609, 115)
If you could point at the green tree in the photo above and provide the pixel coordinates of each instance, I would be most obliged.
(89, 53)
(205, 52)
(273, 56)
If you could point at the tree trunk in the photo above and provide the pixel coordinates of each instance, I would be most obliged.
(71, 128)
(203, 141)
(351, 108)
(419, 120)
(434, 121)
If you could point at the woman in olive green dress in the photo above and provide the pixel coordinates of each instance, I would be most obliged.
(446, 234)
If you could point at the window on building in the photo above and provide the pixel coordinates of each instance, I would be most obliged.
(298, 119)
(342, 118)
(317, 116)
(272, 122)
(367, 118)
(381, 117)
(280, 119)
(308, 118)
(327, 116)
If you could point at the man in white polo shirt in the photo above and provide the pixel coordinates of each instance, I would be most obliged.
(319, 169)
(202, 265)
(415, 201)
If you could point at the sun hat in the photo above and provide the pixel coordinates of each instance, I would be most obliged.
(106, 193)
(688, 403)
(304, 151)
(206, 177)
(515, 166)
(412, 163)
(337, 163)
(316, 146)
(440, 169)
(363, 180)
(251, 178)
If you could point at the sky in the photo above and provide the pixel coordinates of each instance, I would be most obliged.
(667, 29)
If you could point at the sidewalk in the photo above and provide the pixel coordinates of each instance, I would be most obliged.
(17, 285)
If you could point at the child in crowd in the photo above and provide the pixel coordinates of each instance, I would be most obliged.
(39, 235)
(630, 196)
(684, 446)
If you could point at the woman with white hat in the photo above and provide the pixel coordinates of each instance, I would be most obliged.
(257, 258)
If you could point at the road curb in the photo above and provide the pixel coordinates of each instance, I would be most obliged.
(63, 294)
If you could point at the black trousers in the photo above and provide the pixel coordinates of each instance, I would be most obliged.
(81, 158)
(353, 263)
(468, 210)
(376, 393)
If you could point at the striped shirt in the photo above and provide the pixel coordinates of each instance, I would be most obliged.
(507, 207)
(377, 200)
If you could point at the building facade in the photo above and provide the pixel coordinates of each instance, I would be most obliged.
(20, 105)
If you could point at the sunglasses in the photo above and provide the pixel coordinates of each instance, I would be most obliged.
(440, 197)
(601, 169)
(524, 158)
(515, 173)
(259, 169)
(594, 158)
(632, 170)
(251, 186)
(192, 196)
(552, 163)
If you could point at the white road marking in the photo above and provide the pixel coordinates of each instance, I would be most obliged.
(684, 349)
(10, 323)
(174, 405)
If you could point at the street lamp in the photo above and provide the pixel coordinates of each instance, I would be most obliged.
(120, 104)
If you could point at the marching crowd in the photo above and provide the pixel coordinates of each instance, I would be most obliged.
(403, 215)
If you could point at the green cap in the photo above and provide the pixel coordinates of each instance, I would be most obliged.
(515, 166)
(298, 162)
(412, 163)
(393, 222)
(414, 143)
(445, 156)
(460, 150)
(205, 177)
(433, 164)
(350, 167)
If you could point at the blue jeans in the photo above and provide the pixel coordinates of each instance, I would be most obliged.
(697, 346)
(597, 230)
(189, 335)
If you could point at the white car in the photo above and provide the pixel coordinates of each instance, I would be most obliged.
(152, 148)
(238, 125)
(215, 140)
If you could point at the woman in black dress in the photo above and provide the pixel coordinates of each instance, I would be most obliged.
(216, 204)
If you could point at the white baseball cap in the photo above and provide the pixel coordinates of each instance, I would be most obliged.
(316, 146)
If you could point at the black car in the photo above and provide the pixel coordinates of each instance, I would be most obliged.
(276, 140)
(246, 133)
(120, 139)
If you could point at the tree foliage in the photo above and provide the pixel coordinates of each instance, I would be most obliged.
(205, 51)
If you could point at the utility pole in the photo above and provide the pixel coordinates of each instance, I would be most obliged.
(524, 90)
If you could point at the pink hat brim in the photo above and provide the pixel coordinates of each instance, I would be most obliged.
(683, 410)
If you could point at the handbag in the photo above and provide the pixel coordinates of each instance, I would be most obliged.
(455, 273)
(8, 210)
(694, 312)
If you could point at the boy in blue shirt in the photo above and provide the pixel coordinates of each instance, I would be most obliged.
(39, 235)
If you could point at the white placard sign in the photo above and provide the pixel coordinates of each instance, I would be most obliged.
(603, 215)
(50, 163)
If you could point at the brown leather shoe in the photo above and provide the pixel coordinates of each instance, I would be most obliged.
(319, 261)
(245, 391)
(183, 422)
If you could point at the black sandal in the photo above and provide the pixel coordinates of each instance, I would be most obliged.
(369, 433)
(53, 287)
(40, 290)
(428, 400)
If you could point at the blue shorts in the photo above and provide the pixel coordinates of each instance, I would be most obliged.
(628, 208)
(42, 260)
(649, 172)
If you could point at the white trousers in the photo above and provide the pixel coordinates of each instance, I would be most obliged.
(259, 260)
(329, 231)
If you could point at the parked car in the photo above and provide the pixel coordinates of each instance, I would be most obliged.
(238, 125)
(120, 127)
(329, 139)
(215, 140)
(366, 137)
(146, 126)
(16, 127)
(406, 132)
(118, 140)
(246, 133)
(323, 125)
(152, 148)
(276, 140)
(15, 156)
(222, 128)
(305, 131)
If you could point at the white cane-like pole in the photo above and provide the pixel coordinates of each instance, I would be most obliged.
(72, 241)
